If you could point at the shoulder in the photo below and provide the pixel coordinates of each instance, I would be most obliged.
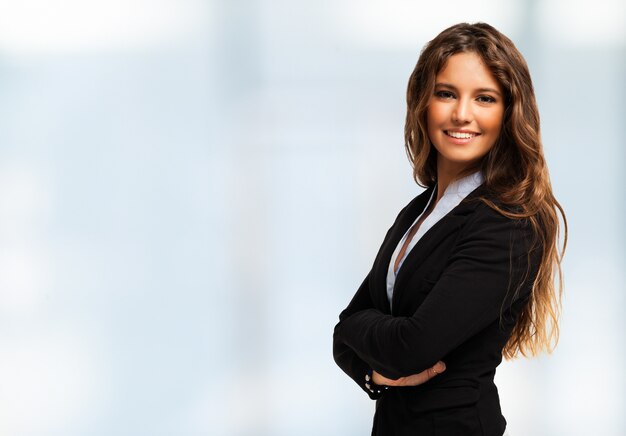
(489, 205)
(499, 223)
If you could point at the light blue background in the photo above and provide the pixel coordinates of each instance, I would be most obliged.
(191, 191)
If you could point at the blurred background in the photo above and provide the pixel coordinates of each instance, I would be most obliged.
(191, 191)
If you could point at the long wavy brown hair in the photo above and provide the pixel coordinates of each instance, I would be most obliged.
(515, 169)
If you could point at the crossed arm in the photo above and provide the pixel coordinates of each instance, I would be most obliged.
(490, 259)
(357, 368)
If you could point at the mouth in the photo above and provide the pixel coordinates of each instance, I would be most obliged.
(460, 135)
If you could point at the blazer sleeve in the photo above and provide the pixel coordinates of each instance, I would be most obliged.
(491, 257)
(345, 357)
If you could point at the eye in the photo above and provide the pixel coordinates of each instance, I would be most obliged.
(444, 94)
(486, 99)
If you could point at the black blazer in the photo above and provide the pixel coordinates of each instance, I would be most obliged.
(456, 298)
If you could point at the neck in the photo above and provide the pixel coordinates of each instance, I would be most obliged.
(450, 173)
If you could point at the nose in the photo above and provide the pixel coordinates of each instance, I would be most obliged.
(462, 113)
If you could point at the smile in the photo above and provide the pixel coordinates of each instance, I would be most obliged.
(461, 135)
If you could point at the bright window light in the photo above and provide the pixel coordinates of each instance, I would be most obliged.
(43, 26)
(405, 23)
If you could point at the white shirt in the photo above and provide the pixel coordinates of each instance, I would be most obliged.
(456, 191)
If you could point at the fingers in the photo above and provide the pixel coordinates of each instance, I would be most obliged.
(438, 368)
(382, 380)
(424, 376)
(431, 373)
(411, 380)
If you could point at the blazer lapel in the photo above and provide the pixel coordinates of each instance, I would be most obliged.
(442, 228)
(404, 221)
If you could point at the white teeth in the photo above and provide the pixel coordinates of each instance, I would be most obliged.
(460, 135)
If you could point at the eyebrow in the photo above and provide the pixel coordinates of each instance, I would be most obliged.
(448, 85)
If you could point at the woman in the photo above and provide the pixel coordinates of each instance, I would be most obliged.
(466, 273)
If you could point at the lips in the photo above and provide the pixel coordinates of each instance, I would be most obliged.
(460, 135)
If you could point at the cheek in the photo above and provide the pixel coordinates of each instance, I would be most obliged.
(495, 128)
(433, 117)
(495, 121)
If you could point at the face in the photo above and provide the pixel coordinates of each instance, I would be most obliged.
(465, 113)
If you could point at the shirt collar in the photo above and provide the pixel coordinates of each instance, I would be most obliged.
(465, 185)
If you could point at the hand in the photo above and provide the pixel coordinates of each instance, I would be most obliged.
(411, 380)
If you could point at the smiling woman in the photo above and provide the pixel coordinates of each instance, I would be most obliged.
(465, 113)
(465, 275)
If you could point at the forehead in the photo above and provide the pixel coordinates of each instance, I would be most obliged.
(467, 69)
